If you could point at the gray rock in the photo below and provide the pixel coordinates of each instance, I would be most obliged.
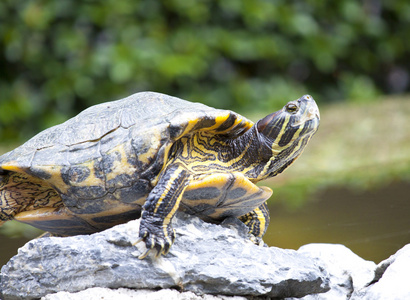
(205, 259)
(346, 270)
(391, 280)
(128, 294)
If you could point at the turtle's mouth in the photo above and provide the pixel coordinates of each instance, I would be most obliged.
(313, 112)
(310, 114)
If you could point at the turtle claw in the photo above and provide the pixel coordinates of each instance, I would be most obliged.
(145, 254)
(137, 242)
(157, 246)
(149, 247)
(256, 240)
(156, 239)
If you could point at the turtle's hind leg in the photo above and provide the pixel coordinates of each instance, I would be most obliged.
(21, 192)
(257, 222)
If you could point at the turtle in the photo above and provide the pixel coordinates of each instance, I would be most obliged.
(147, 156)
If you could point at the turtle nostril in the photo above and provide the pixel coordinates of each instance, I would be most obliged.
(307, 97)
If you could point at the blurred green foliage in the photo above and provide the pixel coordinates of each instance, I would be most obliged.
(59, 57)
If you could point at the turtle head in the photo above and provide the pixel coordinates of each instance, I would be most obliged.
(284, 134)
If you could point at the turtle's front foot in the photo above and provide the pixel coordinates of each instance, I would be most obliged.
(159, 208)
(157, 236)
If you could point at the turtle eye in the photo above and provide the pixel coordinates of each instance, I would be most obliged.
(291, 107)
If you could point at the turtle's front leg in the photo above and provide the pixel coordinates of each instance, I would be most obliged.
(257, 222)
(159, 208)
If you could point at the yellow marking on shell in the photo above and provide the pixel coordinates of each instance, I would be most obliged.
(121, 166)
(12, 166)
(191, 122)
(153, 145)
(221, 119)
(55, 180)
(43, 214)
(92, 179)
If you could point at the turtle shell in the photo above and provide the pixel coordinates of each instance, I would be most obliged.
(105, 161)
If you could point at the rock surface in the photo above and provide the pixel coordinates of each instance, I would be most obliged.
(206, 262)
(346, 270)
(391, 279)
(205, 259)
(128, 294)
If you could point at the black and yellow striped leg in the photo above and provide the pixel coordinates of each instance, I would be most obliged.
(257, 222)
(159, 208)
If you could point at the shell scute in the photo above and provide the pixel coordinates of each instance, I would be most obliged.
(75, 174)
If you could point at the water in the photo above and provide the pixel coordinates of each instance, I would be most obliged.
(373, 224)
